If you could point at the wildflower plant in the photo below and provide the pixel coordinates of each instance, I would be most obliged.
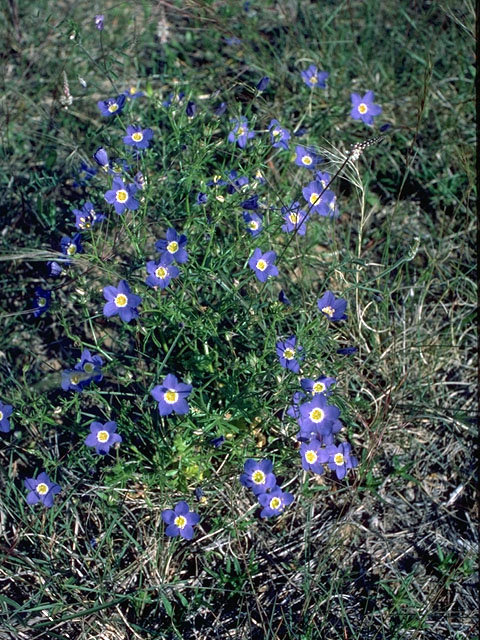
(227, 223)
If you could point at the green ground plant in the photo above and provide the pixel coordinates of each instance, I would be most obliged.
(385, 550)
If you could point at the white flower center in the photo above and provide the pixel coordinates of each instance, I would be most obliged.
(319, 387)
(161, 273)
(339, 459)
(113, 107)
(170, 396)
(275, 503)
(307, 160)
(121, 195)
(258, 477)
(362, 108)
(311, 457)
(329, 311)
(314, 198)
(121, 300)
(288, 354)
(42, 488)
(262, 265)
(180, 521)
(137, 136)
(102, 436)
(317, 415)
(172, 247)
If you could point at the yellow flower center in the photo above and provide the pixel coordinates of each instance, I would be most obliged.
(362, 108)
(307, 160)
(275, 503)
(102, 436)
(319, 387)
(288, 354)
(172, 247)
(240, 131)
(121, 300)
(161, 273)
(137, 136)
(170, 396)
(314, 79)
(41, 302)
(262, 265)
(1, 415)
(314, 198)
(294, 218)
(71, 249)
(113, 107)
(180, 521)
(253, 224)
(42, 488)
(121, 195)
(258, 477)
(339, 459)
(317, 415)
(75, 378)
(311, 457)
(329, 311)
(88, 367)
(133, 90)
(276, 133)
(259, 174)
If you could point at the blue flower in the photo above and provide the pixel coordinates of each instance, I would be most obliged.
(54, 269)
(101, 158)
(263, 83)
(340, 460)
(180, 521)
(132, 93)
(295, 219)
(258, 475)
(88, 370)
(314, 78)
(274, 503)
(121, 196)
(99, 22)
(288, 352)
(160, 273)
(71, 246)
(172, 395)
(313, 456)
(363, 107)
(41, 301)
(263, 264)
(191, 109)
(87, 217)
(254, 223)
(240, 132)
(306, 157)
(41, 489)
(320, 385)
(102, 437)
(121, 301)
(173, 245)
(111, 106)
(5, 413)
(138, 137)
(201, 198)
(331, 307)
(318, 417)
(278, 135)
